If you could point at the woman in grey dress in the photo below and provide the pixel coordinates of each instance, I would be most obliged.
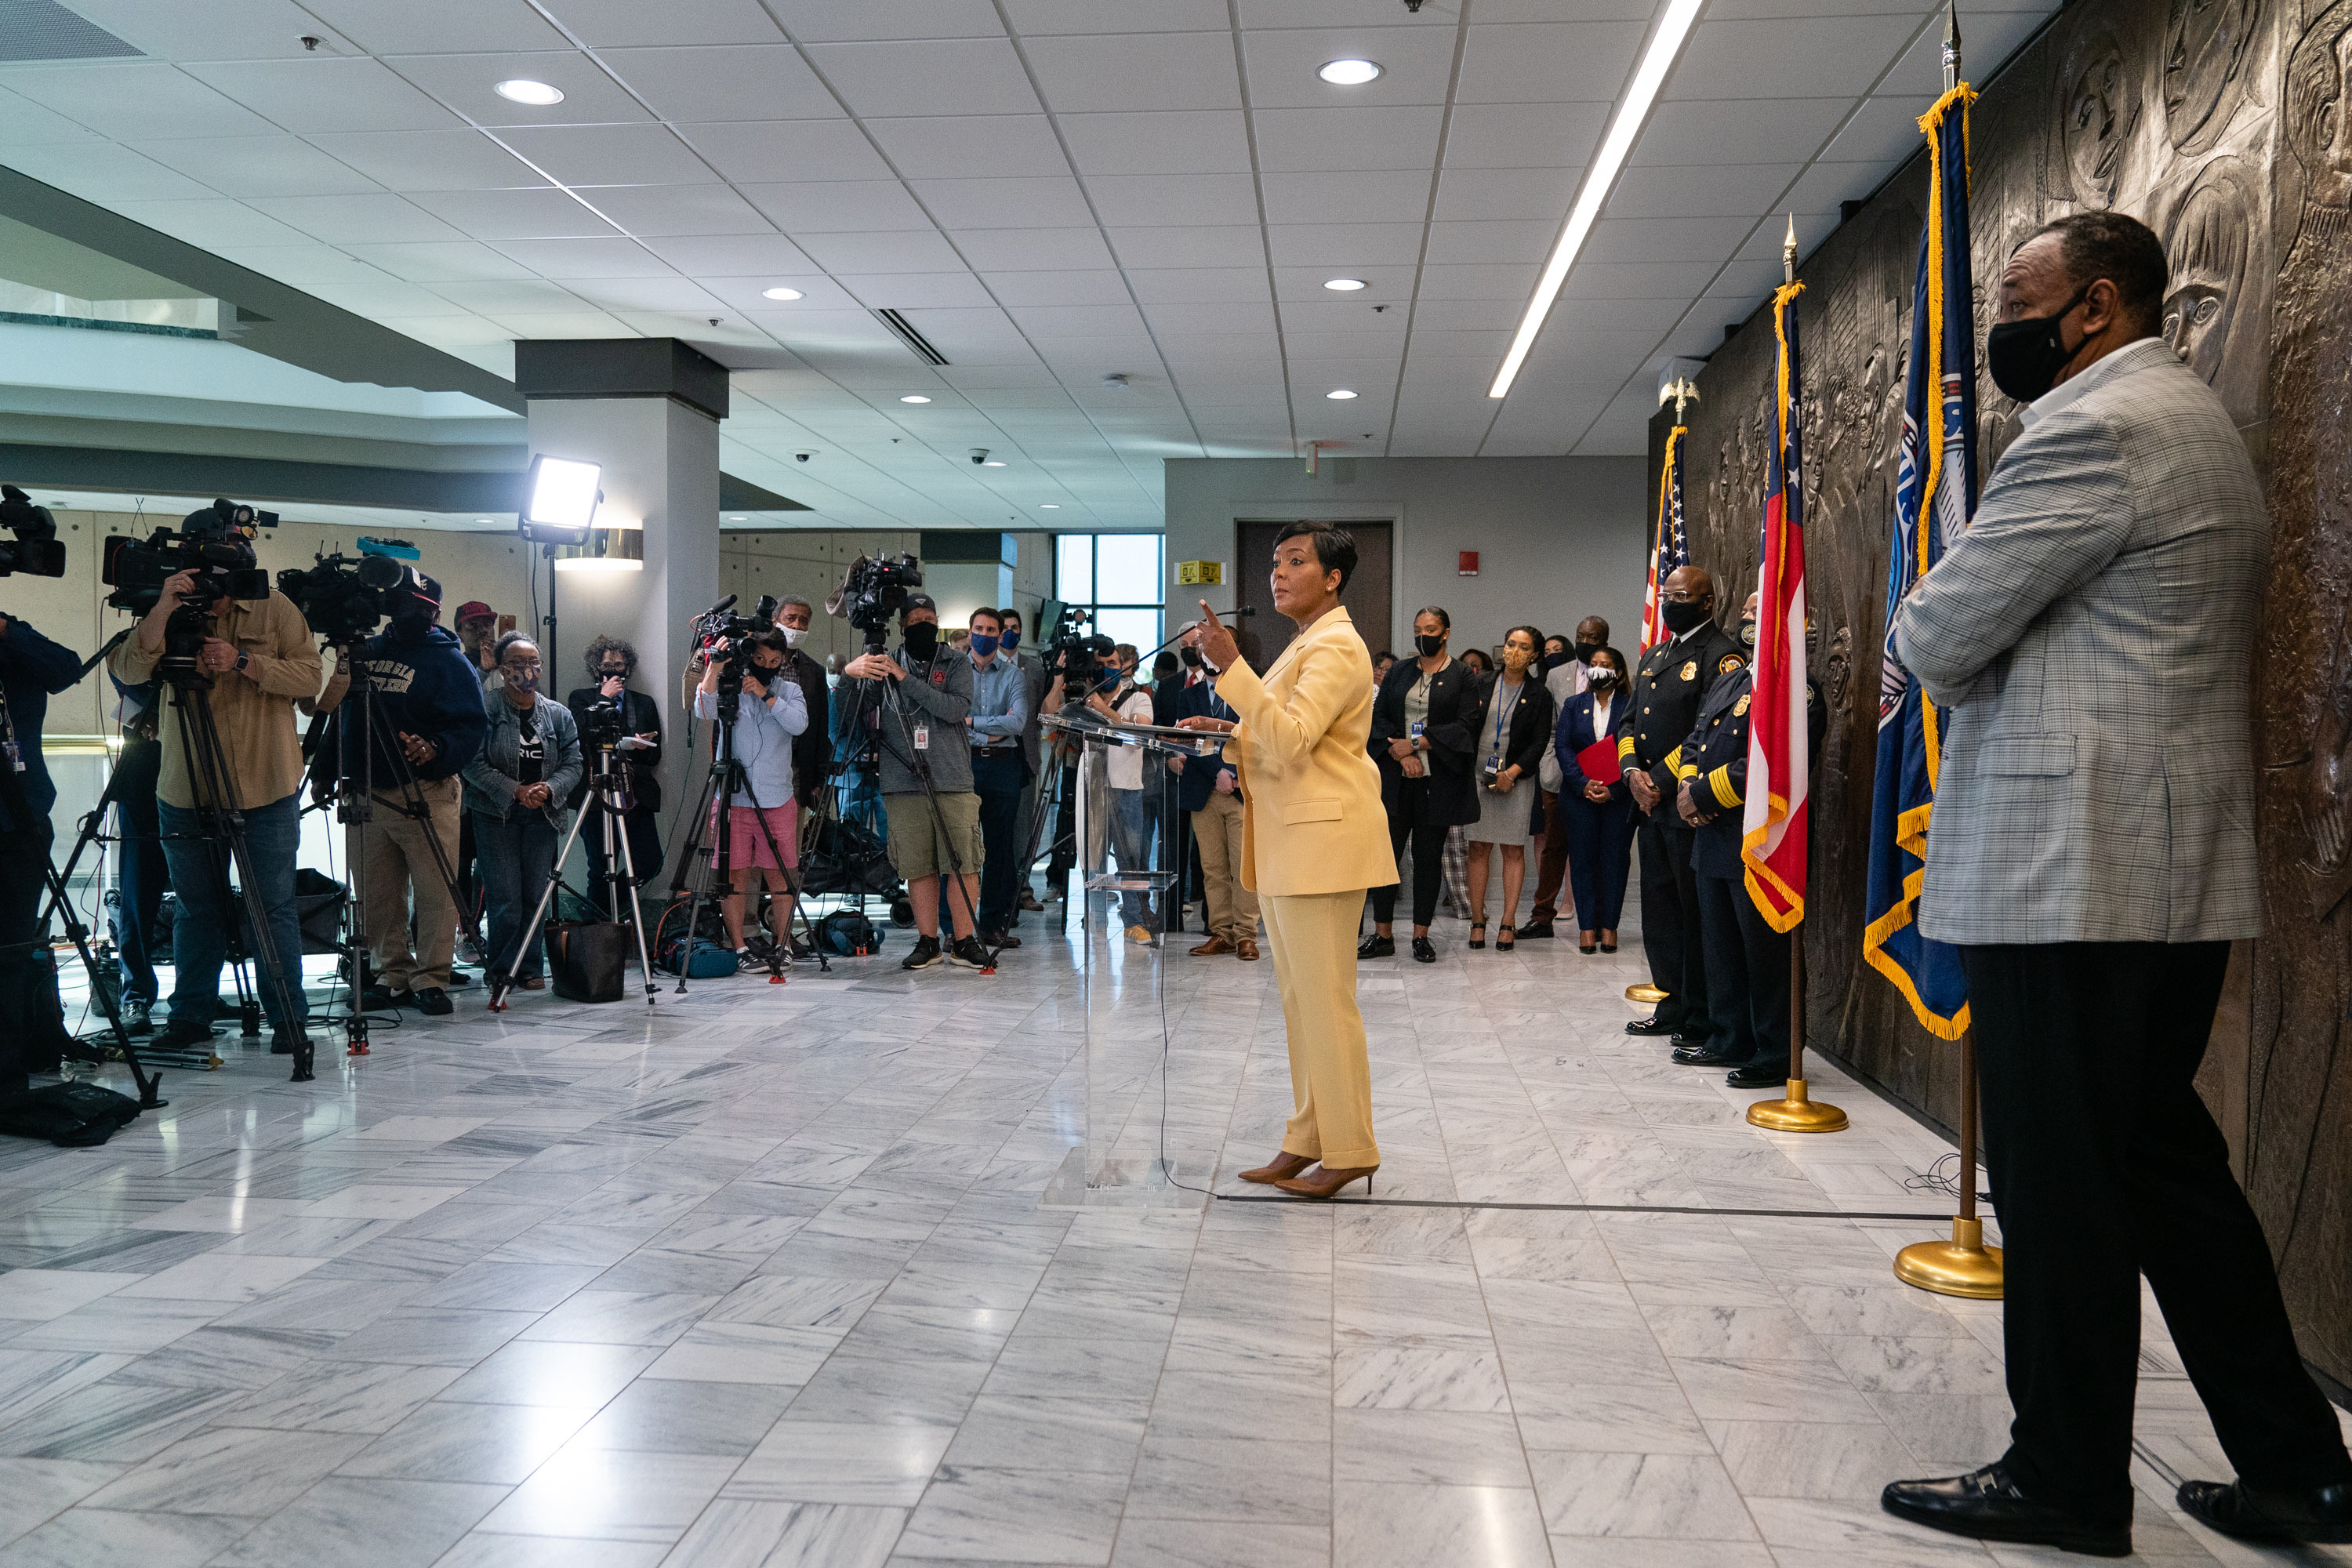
(1514, 725)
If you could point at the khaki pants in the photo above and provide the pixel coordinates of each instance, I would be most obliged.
(397, 860)
(1314, 939)
(1217, 829)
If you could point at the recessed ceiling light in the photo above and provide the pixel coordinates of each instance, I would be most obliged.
(1344, 285)
(485, 519)
(993, 463)
(1049, 506)
(1349, 73)
(1341, 395)
(738, 520)
(523, 89)
(780, 293)
(913, 397)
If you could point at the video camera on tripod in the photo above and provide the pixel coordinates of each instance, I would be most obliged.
(1076, 656)
(344, 600)
(216, 543)
(718, 625)
(37, 548)
(871, 594)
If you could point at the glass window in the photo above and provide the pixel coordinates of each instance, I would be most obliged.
(1073, 568)
(1126, 569)
(1139, 627)
(1118, 577)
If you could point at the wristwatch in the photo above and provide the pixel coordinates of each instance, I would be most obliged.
(242, 658)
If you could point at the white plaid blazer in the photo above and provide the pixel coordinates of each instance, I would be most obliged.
(2089, 638)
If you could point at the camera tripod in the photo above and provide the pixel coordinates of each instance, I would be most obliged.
(608, 799)
(729, 781)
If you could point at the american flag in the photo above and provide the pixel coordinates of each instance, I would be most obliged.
(1669, 545)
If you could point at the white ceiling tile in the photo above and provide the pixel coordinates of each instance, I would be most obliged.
(1313, 139)
(1635, 280)
(1471, 195)
(1764, 240)
(563, 259)
(1789, 57)
(327, 95)
(1231, 245)
(1034, 250)
(1077, 321)
(908, 290)
(610, 154)
(1529, 239)
(1745, 130)
(971, 147)
(1333, 314)
(248, 166)
(768, 257)
(663, 211)
(1039, 19)
(541, 214)
(1478, 282)
(1524, 135)
(112, 171)
(379, 219)
(1086, 286)
(1549, 62)
(814, 21)
(1386, 284)
(23, 123)
(368, 293)
(436, 26)
(129, 100)
(1205, 143)
(1820, 187)
(511, 296)
(1361, 195)
(1666, 240)
(1222, 317)
(1465, 315)
(756, 82)
(671, 294)
(440, 262)
(1257, 14)
(838, 206)
(1198, 284)
(1038, 202)
(1488, 347)
(818, 293)
(768, 150)
(579, 324)
(908, 250)
(1883, 131)
(463, 160)
(217, 30)
(1121, 199)
(1415, 65)
(1079, 75)
(1344, 245)
(218, 225)
(1633, 315)
(468, 83)
(1698, 190)
(615, 23)
(948, 76)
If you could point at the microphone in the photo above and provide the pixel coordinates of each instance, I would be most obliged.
(724, 604)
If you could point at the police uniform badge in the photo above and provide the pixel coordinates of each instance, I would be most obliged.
(1739, 709)
(1727, 664)
(1690, 670)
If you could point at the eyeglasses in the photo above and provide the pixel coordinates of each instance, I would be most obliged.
(522, 664)
(1680, 596)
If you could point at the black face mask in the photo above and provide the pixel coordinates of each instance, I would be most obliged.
(1585, 650)
(2026, 356)
(1428, 646)
(922, 640)
(609, 674)
(1600, 675)
(1191, 658)
(1552, 661)
(1682, 617)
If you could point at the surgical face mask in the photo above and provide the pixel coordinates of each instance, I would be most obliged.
(1748, 634)
(1012, 638)
(2026, 356)
(983, 645)
(792, 635)
(1427, 645)
(1682, 618)
(1600, 675)
(923, 639)
(1191, 658)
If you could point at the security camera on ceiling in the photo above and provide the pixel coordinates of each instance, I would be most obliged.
(802, 456)
(979, 456)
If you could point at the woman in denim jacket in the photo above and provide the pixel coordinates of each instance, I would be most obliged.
(515, 791)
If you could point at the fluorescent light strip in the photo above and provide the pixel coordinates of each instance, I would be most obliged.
(1647, 79)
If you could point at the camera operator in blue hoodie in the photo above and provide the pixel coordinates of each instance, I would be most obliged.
(427, 702)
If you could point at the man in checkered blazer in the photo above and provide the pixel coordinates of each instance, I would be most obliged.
(2093, 856)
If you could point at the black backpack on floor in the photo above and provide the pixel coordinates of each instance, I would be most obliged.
(70, 1115)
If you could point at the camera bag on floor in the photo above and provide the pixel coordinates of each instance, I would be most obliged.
(708, 956)
(585, 960)
(844, 857)
(848, 934)
(70, 1115)
(318, 902)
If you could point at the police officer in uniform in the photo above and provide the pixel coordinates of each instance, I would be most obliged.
(1746, 960)
(1673, 679)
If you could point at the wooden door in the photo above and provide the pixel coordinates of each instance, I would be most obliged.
(1369, 592)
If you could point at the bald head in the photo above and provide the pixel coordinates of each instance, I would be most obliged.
(1593, 628)
(1691, 584)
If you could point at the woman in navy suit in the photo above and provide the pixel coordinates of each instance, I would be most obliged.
(1600, 817)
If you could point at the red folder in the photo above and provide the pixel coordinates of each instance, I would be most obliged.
(1598, 761)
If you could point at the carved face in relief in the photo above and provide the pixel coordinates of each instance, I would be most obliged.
(2204, 59)
(2211, 236)
(2318, 118)
(2099, 108)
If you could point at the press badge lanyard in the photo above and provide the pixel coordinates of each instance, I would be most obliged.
(1502, 721)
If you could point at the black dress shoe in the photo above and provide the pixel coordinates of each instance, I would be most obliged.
(1770, 1074)
(1376, 946)
(1707, 1056)
(2254, 1513)
(1423, 951)
(1987, 1505)
(1651, 1025)
(1689, 1039)
(1539, 931)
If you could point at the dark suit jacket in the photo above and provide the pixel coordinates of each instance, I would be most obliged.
(1574, 732)
(1453, 716)
(1198, 782)
(1530, 730)
(812, 747)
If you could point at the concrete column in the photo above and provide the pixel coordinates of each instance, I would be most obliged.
(648, 410)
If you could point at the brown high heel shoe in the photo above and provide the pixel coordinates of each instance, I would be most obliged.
(1281, 1168)
(1326, 1182)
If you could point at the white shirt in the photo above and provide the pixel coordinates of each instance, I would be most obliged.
(2067, 392)
(1124, 766)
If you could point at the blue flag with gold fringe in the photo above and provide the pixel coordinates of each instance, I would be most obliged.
(1935, 496)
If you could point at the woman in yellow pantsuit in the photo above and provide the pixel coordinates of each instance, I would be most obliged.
(1314, 837)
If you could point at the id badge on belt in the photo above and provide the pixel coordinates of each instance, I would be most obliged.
(922, 737)
(1414, 729)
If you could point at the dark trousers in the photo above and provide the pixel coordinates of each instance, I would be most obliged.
(1428, 843)
(32, 1024)
(518, 859)
(141, 873)
(1601, 857)
(645, 854)
(1670, 931)
(1062, 851)
(996, 779)
(1747, 973)
(2104, 1166)
(1552, 868)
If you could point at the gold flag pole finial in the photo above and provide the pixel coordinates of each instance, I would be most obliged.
(1952, 48)
(1788, 252)
(1683, 390)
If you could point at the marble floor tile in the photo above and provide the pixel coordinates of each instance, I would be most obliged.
(829, 1461)
(1231, 1478)
(621, 1318)
(1680, 1495)
(358, 1396)
(1811, 1459)
(229, 1469)
(1391, 1525)
(609, 1494)
(480, 1550)
(736, 1534)
(1024, 1432)
(661, 1416)
(32, 1491)
(95, 1538)
(354, 1523)
(1014, 1516)
(497, 1444)
(1428, 1447)
(41, 1294)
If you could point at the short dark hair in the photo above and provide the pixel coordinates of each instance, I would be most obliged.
(1439, 611)
(507, 640)
(992, 614)
(1011, 612)
(1335, 547)
(2120, 248)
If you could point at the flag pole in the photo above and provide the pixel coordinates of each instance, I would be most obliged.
(1684, 392)
(1795, 1112)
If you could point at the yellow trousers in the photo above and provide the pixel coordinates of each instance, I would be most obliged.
(1314, 939)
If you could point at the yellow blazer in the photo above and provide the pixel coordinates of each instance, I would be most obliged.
(1311, 814)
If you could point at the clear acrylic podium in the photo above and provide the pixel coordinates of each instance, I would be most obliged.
(1125, 889)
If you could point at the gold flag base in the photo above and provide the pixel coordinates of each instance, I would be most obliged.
(1644, 993)
(1796, 1113)
(1963, 1266)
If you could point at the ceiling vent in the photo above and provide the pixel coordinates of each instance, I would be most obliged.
(903, 329)
(45, 30)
